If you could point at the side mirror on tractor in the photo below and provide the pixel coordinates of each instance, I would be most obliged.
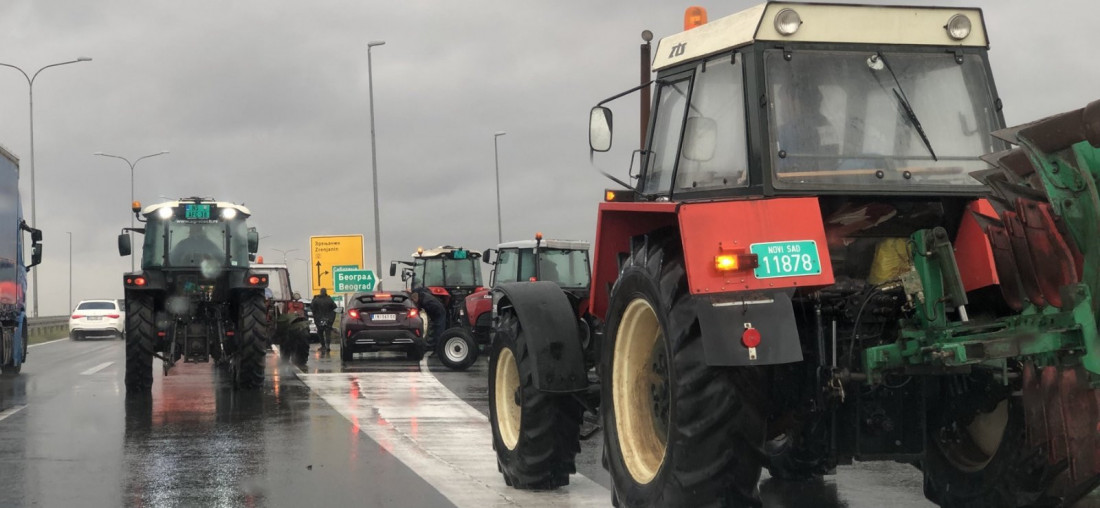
(253, 241)
(393, 268)
(487, 256)
(36, 255)
(36, 235)
(124, 248)
(599, 129)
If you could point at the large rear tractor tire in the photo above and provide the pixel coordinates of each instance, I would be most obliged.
(678, 432)
(536, 435)
(986, 461)
(252, 343)
(457, 349)
(141, 336)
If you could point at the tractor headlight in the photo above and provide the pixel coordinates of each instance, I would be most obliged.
(787, 22)
(229, 213)
(958, 27)
(165, 213)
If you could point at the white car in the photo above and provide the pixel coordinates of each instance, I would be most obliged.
(97, 319)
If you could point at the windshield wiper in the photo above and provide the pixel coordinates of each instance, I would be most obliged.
(899, 93)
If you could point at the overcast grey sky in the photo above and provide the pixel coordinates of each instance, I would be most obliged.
(265, 102)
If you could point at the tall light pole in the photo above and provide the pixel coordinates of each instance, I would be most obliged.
(374, 167)
(30, 89)
(496, 161)
(306, 272)
(284, 253)
(70, 233)
(132, 165)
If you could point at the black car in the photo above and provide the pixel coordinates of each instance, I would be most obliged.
(377, 321)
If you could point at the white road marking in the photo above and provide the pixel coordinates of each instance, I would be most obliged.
(51, 341)
(97, 368)
(440, 437)
(11, 410)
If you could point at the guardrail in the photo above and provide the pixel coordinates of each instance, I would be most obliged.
(51, 326)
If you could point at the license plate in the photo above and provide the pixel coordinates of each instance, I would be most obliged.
(94, 318)
(383, 317)
(786, 259)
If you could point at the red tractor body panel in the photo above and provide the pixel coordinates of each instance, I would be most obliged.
(708, 228)
(478, 303)
(973, 252)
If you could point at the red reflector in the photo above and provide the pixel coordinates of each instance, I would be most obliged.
(751, 337)
(229, 333)
(160, 334)
(413, 313)
(354, 314)
(112, 316)
(140, 281)
(417, 332)
(77, 316)
(253, 280)
(129, 280)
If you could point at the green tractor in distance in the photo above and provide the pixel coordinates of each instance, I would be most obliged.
(195, 297)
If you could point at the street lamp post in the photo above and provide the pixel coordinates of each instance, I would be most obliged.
(70, 233)
(496, 162)
(30, 91)
(284, 253)
(132, 165)
(374, 165)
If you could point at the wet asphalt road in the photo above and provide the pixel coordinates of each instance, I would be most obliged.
(380, 431)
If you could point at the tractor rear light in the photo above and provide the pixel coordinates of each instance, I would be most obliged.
(958, 27)
(78, 316)
(613, 195)
(413, 313)
(533, 279)
(139, 281)
(165, 213)
(113, 316)
(353, 313)
(253, 280)
(751, 337)
(787, 22)
(694, 16)
(228, 213)
(735, 261)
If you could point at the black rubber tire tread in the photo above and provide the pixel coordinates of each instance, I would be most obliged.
(716, 432)
(471, 346)
(1016, 476)
(252, 344)
(415, 353)
(141, 336)
(549, 435)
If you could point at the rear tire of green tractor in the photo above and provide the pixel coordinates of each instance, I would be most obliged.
(536, 435)
(987, 462)
(678, 432)
(141, 335)
(457, 349)
(252, 344)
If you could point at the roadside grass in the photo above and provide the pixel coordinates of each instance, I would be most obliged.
(49, 334)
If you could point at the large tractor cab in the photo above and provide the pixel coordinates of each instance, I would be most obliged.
(810, 262)
(196, 297)
(451, 274)
(563, 262)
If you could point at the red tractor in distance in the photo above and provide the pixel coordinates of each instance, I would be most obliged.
(451, 274)
(563, 262)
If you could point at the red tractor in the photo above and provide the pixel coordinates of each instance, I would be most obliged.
(451, 274)
(815, 265)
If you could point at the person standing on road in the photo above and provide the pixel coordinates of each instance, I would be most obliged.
(324, 313)
(434, 309)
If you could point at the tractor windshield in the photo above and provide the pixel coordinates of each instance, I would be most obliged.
(444, 272)
(569, 268)
(206, 244)
(856, 119)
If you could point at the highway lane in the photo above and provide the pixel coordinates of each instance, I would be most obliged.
(75, 440)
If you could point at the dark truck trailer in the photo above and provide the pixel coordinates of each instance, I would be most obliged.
(13, 267)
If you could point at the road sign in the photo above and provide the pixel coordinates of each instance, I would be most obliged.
(338, 268)
(351, 281)
(328, 254)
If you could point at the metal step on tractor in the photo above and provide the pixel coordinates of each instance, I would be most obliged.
(450, 274)
(813, 263)
(195, 297)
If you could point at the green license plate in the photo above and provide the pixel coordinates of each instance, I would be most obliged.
(196, 212)
(786, 259)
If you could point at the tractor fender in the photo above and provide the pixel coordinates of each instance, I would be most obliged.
(550, 327)
(723, 318)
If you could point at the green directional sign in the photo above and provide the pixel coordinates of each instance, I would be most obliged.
(341, 268)
(352, 281)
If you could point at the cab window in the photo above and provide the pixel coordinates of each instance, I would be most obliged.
(507, 266)
(714, 154)
(667, 126)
